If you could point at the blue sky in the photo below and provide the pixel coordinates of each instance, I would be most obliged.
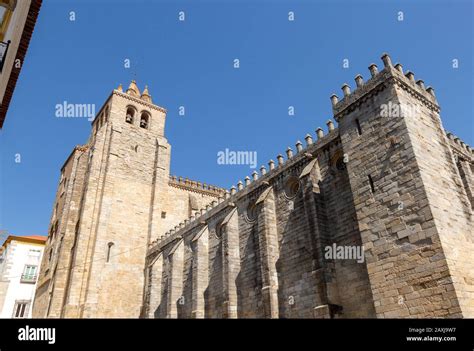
(190, 63)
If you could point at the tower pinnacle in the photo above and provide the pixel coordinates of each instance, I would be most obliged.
(133, 89)
(146, 95)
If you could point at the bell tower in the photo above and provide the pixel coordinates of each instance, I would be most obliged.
(129, 157)
(103, 222)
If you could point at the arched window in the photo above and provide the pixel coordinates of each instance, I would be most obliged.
(130, 115)
(144, 120)
(109, 250)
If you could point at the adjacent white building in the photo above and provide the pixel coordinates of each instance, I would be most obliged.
(20, 259)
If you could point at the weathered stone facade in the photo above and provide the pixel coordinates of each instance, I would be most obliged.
(115, 196)
(389, 180)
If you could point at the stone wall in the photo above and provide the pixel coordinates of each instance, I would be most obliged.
(56, 264)
(259, 252)
(408, 196)
(394, 184)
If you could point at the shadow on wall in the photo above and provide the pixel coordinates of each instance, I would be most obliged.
(306, 279)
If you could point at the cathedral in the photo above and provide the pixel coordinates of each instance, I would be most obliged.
(391, 193)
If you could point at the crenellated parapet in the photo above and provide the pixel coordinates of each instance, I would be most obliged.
(254, 184)
(377, 82)
(462, 149)
(195, 186)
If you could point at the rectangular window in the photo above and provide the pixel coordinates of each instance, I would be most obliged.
(29, 274)
(21, 309)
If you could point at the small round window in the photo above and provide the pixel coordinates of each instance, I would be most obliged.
(338, 162)
(292, 186)
(251, 212)
(219, 230)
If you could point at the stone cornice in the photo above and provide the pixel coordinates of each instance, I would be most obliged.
(215, 191)
(165, 242)
(200, 221)
(139, 101)
(414, 90)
